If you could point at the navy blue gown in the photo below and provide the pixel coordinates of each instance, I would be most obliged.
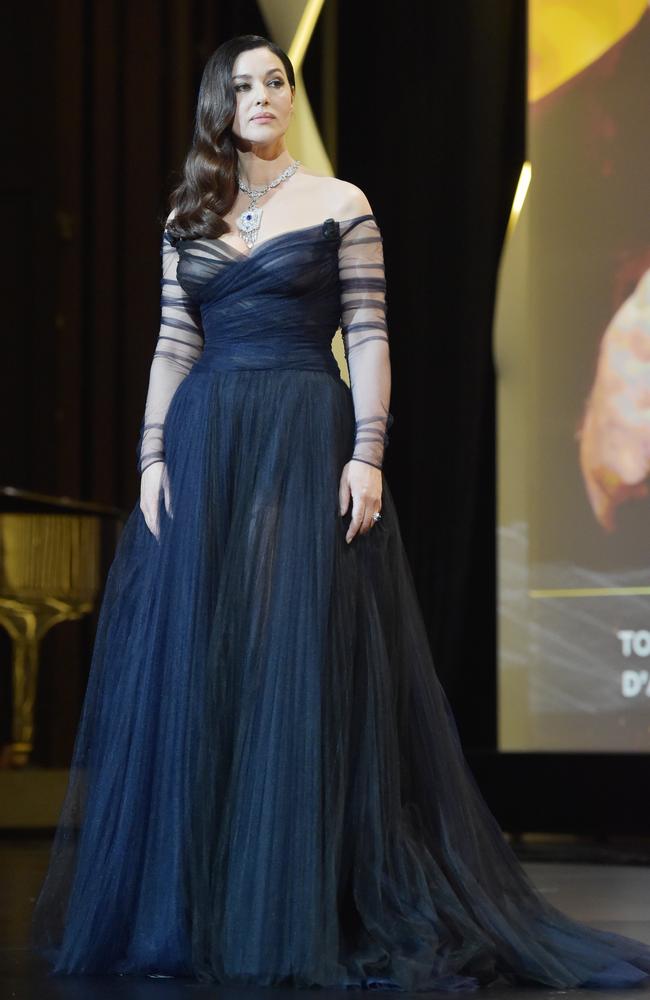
(267, 784)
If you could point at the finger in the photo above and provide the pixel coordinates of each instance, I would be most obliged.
(344, 494)
(364, 525)
(358, 510)
(150, 524)
(151, 517)
(368, 521)
(168, 497)
(374, 520)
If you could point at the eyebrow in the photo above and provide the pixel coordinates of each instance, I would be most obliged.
(248, 76)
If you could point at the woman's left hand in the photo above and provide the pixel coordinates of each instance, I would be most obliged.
(363, 483)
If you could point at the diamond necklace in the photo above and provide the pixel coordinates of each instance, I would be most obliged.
(250, 219)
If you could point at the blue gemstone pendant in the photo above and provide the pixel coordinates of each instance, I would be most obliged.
(248, 224)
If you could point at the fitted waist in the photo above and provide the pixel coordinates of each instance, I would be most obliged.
(264, 356)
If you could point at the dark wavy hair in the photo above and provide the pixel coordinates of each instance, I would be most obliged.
(208, 186)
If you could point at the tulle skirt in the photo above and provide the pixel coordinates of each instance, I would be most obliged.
(267, 784)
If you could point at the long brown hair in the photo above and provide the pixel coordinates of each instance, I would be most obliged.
(208, 187)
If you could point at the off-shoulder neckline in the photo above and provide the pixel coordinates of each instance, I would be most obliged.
(278, 236)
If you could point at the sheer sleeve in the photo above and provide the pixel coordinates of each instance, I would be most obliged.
(178, 347)
(365, 335)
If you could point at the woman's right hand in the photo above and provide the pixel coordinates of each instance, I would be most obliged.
(153, 478)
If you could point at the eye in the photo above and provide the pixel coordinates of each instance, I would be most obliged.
(277, 79)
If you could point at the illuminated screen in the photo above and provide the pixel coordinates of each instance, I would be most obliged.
(572, 354)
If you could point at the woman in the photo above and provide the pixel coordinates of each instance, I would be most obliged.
(267, 783)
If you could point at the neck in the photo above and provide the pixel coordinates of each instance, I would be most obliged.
(258, 167)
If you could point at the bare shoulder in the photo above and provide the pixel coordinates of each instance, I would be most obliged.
(341, 199)
(350, 200)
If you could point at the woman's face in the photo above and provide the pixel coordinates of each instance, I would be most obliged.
(261, 87)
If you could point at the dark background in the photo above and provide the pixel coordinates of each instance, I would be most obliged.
(99, 106)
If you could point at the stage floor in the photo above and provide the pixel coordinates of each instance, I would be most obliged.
(612, 897)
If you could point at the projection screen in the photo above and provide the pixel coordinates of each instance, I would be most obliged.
(572, 355)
